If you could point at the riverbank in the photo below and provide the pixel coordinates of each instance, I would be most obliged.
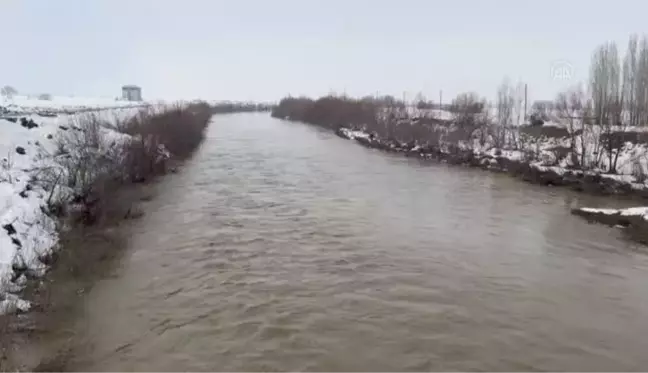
(513, 163)
(41, 339)
(66, 181)
(276, 235)
(633, 220)
(558, 148)
(36, 179)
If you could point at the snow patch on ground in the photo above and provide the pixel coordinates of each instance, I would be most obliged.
(358, 134)
(11, 303)
(632, 211)
(542, 154)
(550, 153)
(27, 233)
(514, 155)
(351, 134)
(30, 104)
(555, 169)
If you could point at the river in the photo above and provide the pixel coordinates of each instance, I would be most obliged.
(280, 246)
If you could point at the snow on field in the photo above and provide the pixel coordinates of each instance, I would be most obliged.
(350, 134)
(27, 234)
(29, 104)
(632, 211)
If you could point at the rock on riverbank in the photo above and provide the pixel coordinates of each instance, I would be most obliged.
(633, 219)
(615, 217)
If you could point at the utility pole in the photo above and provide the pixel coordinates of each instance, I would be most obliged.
(440, 99)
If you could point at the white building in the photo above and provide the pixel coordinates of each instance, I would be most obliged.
(132, 93)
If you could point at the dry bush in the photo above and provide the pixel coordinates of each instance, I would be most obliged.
(470, 118)
(469, 112)
(81, 153)
(558, 153)
(330, 112)
(144, 157)
(292, 108)
(88, 165)
(239, 107)
(387, 118)
(91, 161)
(335, 112)
(409, 132)
(180, 129)
(638, 171)
(541, 110)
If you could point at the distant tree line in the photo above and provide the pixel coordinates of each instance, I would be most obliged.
(384, 117)
(240, 107)
(329, 111)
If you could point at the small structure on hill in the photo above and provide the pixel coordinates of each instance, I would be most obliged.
(132, 93)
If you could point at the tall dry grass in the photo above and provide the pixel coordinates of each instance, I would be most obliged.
(95, 157)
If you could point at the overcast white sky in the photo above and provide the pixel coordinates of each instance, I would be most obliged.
(262, 49)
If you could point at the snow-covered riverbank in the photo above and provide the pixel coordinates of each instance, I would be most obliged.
(634, 219)
(28, 149)
(541, 154)
(536, 161)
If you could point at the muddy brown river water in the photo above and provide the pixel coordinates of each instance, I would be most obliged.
(280, 246)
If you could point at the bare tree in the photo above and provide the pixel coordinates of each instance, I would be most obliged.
(604, 83)
(420, 101)
(469, 115)
(8, 91)
(570, 106)
(630, 77)
(641, 84)
(518, 100)
(541, 109)
(505, 104)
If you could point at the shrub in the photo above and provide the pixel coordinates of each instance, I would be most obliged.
(329, 111)
(180, 129)
(385, 117)
(94, 157)
(292, 108)
(638, 171)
